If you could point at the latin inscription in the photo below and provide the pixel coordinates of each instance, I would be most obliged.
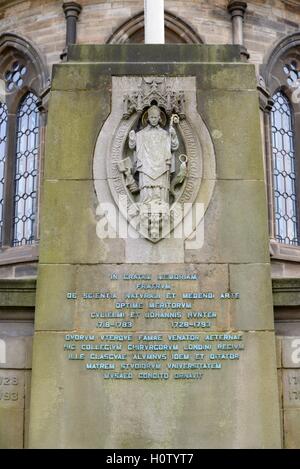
(9, 387)
(118, 350)
(292, 388)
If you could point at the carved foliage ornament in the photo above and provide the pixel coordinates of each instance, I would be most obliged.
(154, 90)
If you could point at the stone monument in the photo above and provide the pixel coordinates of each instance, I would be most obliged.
(154, 325)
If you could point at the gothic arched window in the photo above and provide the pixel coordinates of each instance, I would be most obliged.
(282, 77)
(177, 31)
(26, 171)
(22, 81)
(284, 170)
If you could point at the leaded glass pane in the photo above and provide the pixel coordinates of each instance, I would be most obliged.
(292, 72)
(14, 77)
(284, 171)
(3, 138)
(25, 196)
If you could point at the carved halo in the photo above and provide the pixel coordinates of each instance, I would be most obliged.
(163, 118)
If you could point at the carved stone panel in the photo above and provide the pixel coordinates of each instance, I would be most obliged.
(151, 153)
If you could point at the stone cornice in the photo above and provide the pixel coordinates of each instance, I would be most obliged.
(292, 3)
(9, 3)
(286, 292)
(17, 293)
(237, 8)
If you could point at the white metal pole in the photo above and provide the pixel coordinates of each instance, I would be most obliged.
(154, 21)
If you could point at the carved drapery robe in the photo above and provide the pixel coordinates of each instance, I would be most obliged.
(154, 161)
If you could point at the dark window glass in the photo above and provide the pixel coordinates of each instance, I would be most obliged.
(283, 149)
(3, 138)
(25, 196)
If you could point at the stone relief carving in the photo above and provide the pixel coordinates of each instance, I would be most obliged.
(156, 89)
(152, 152)
(150, 172)
(154, 163)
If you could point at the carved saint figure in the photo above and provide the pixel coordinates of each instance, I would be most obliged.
(154, 160)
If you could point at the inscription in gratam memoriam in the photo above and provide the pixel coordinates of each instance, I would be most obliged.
(153, 330)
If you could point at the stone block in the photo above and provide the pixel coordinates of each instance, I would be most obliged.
(26, 270)
(292, 429)
(11, 435)
(91, 279)
(291, 352)
(18, 351)
(154, 53)
(137, 414)
(235, 228)
(212, 278)
(254, 309)
(70, 221)
(55, 281)
(141, 251)
(11, 409)
(286, 292)
(80, 77)
(6, 272)
(226, 76)
(277, 269)
(73, 126)
(220, 76)
(17, 293)
(238, 148)
(291, 388)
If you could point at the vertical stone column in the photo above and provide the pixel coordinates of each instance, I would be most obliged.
(154, 22)
(266, 105)
(72, 11)
(237, 11)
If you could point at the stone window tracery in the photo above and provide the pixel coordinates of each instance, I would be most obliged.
(26, 171)
(22, 82)
(292, 72)
(284, 171)
(282, 77)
